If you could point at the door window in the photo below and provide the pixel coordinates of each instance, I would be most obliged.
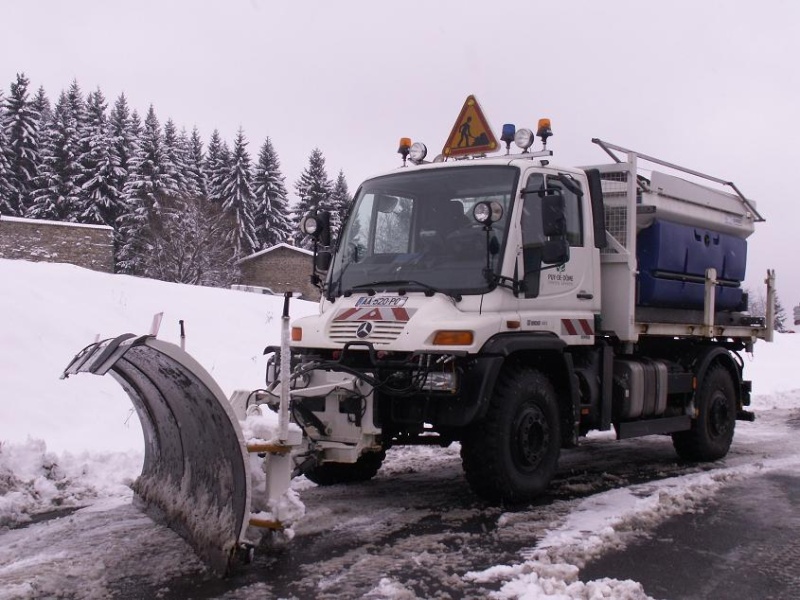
(531, 224)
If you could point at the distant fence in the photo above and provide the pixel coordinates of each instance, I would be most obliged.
(89, 246)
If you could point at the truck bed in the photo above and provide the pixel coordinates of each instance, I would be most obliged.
(664, 233)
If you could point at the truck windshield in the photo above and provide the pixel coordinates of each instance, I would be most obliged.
(414, 230)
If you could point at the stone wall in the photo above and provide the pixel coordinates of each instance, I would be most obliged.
(89, 246)
(282, 268)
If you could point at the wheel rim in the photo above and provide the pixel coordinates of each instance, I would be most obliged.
(531, 438)
(719, 416)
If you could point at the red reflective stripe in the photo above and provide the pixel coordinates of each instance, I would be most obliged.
(587, 327)
(374, 314)
(400, 314)
(567, 324)
(346, 314)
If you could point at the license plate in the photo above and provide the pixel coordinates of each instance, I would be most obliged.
(386, 301)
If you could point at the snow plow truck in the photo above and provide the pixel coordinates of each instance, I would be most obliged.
(503, 303)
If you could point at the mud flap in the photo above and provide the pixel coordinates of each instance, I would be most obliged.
(196, 475)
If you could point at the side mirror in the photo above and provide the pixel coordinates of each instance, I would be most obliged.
(555, 252)
(554, 214)
(323, 260)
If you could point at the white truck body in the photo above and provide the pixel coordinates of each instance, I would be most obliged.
(624, 335)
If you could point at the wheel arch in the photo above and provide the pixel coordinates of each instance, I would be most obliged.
(544, 352)
(714, 407)
(711, 356)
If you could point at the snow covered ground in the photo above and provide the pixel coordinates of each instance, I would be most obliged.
(77, 443)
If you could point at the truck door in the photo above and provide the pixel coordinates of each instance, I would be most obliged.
(571, 289)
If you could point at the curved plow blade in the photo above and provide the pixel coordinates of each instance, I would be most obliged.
(196, 475)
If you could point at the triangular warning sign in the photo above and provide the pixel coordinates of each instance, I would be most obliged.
(471, 133)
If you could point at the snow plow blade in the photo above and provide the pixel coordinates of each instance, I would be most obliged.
(195, 476)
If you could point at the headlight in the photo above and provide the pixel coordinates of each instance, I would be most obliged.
(310, 225)
(524, 138)
(440, 382)
(418, 152)
(486, 213)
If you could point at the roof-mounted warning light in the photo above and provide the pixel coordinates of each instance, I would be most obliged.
(508, 136)
(404, 149)
(544, 131)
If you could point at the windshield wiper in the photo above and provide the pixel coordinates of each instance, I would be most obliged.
(429, 289)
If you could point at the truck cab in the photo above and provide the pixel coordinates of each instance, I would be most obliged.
(414, 234)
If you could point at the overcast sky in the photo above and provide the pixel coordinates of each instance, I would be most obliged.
(712, 85)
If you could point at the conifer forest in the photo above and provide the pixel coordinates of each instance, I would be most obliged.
(183, 209)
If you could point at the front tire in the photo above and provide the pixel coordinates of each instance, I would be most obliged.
(364, 469)
(512, 454)
(712, 431)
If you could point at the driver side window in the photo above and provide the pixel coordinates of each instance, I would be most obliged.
(572, 204)
(532, 226)
(532, 236)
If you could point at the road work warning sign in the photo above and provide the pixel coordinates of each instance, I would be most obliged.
(471, 133)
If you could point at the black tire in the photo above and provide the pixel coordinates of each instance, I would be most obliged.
(364, 469)
(712, 431)
(512, 454)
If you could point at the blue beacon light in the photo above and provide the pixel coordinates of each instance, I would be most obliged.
(508, 135)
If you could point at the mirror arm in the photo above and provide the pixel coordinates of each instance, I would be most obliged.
(570, 184)
(488, 229)
(510, 283)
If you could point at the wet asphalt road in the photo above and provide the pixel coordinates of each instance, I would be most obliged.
(418, 524)
(744, 545)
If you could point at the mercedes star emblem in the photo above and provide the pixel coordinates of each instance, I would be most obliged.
(364, 330)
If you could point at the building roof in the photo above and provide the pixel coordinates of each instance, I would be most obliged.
(276, 247)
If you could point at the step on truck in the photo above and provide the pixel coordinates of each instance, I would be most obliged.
(506, 303)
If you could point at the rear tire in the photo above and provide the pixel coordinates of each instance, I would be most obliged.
(364, 469)
(712, 431)
(512, 454)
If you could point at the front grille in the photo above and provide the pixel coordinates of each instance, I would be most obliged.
(383, 332)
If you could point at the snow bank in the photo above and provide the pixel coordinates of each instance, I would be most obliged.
(51, 311)
(63, 442)
(33, 480)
